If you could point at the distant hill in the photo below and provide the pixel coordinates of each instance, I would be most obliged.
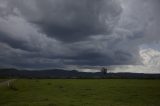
(60, 73)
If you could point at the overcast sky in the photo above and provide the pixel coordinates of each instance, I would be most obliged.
(39, 34)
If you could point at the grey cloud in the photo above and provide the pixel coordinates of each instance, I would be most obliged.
(72, 20)
(141, 19)
(57, 33)
(18, 58)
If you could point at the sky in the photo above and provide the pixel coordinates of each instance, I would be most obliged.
(81, 34)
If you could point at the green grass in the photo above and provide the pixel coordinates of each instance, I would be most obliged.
(1, 80)
(71, 92)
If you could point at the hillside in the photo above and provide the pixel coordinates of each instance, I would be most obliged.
(60, 73)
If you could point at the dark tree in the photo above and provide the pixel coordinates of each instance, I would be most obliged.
(104, 71)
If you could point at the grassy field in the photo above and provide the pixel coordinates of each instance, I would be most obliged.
(105, 92)
(1, 80)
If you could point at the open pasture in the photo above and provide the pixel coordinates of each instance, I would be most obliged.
(81, 92)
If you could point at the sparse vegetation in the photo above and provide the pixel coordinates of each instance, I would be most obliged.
(80, 92)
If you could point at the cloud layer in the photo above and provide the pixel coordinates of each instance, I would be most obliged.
(60, 33)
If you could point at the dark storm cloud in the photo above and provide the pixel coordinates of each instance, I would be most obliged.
(15, 43)
(57, 33)
(92, 59)
(73, 20)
